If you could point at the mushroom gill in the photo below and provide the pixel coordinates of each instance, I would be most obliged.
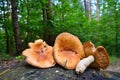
(39, 54)
(68, 50)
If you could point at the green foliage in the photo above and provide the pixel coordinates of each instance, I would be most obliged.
(5, 56)
(19, 58)
(2, 41)
(67, 16)
(114, 59)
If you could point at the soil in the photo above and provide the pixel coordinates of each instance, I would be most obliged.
(6, 64)
(114, 66)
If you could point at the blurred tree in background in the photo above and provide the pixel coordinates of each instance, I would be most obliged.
(91, 20)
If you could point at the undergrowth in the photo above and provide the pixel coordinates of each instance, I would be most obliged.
(114, 59)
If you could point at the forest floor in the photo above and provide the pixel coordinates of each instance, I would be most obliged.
(114, 66)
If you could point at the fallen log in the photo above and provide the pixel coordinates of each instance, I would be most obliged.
(24, 71)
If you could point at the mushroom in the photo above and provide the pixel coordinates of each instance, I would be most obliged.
(95, 57)
(39, 54)
(68, 50)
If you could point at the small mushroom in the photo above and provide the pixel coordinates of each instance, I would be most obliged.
(68, 50)
(95, 57)
(39, 54)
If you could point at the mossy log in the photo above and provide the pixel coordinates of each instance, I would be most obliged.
(23, 71)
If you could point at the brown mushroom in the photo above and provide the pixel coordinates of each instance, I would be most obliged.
(89, 48)
(96, 58)
(101, 58)
(39, 54)
(68, 50)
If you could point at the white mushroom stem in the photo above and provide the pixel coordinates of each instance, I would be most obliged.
(84, 63)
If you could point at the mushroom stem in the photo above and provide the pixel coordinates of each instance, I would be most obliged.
(84, 63)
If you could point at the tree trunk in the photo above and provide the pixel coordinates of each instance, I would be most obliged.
(97, 11)
(117, 29)
(85, 7)
(47, 21)
(44, 19)
(89, 10)
(63, 13)
(6, 30)
(18, 42)
(28, 20)
(23, 71)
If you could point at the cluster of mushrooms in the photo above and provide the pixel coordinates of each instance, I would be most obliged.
(68, 51)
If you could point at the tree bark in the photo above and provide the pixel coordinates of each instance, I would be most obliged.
(87, 5)
(15, 24)
(89, 10)
(44, 13)
(47, 21)
(63, 13)
(85, 8)
(117, 29)
(97, 11)
(28, 20)
(6, 30)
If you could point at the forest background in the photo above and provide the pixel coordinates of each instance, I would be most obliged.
(23, 21)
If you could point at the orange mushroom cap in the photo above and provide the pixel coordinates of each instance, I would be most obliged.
(39, 54)
(100, 54)
(68, 50)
